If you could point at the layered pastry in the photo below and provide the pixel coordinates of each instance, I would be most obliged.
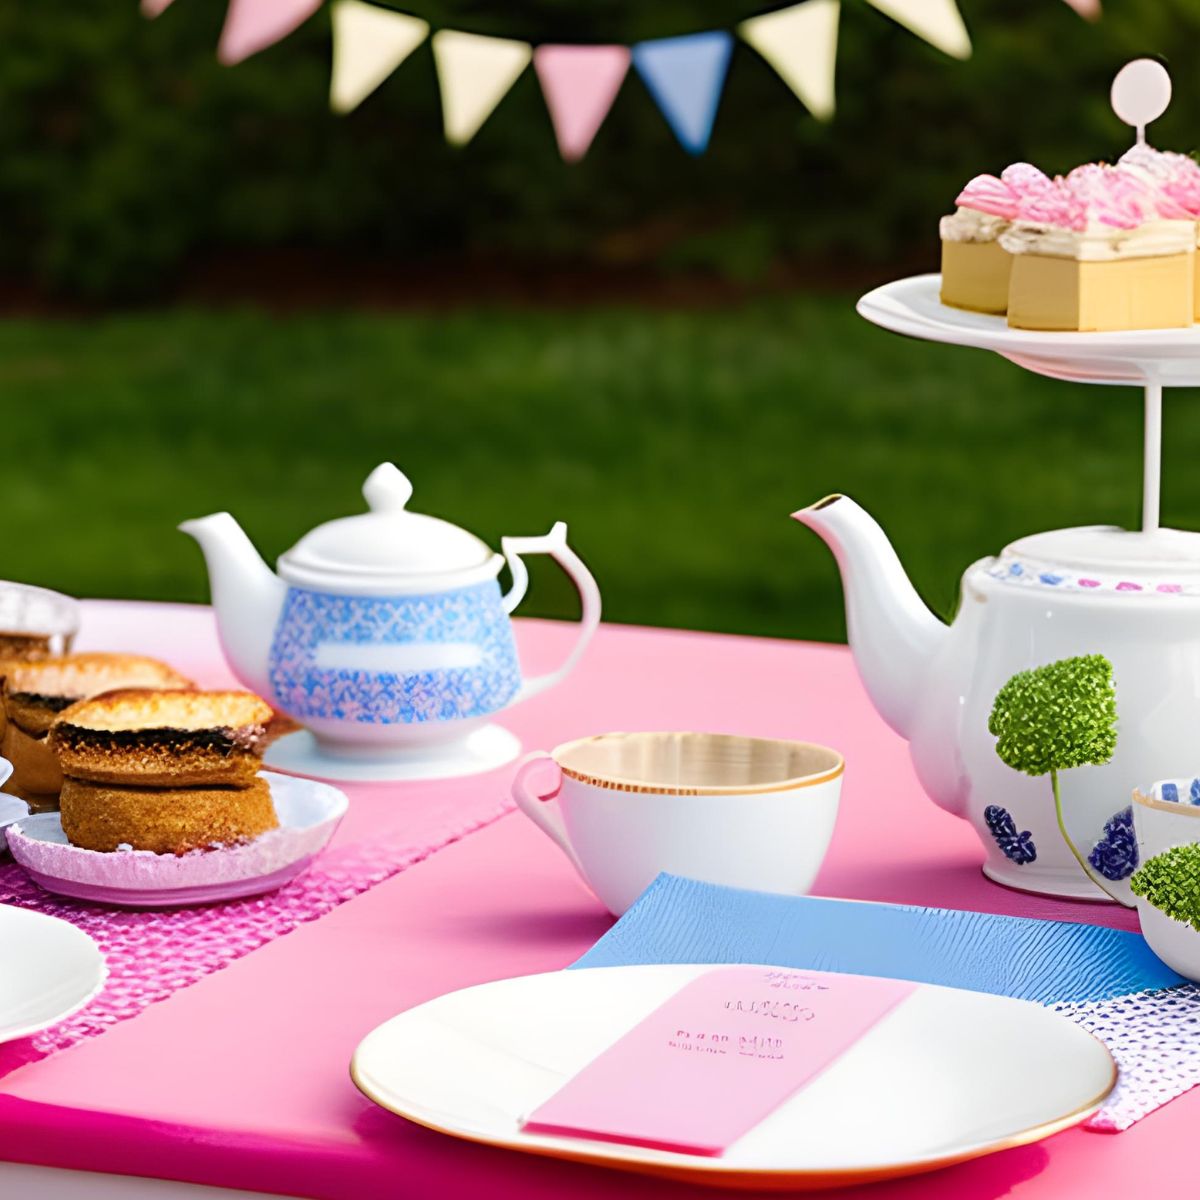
(35, 693)
(163, 738)
(109, 816)
(164, 770)
(975, 266)
(1177, 177)
(1102, 249)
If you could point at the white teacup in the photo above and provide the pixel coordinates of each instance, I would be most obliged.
(745, 812)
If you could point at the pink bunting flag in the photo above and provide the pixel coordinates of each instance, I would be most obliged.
(154, 8)
(253, 25)
(1088, 9)
(580, 84)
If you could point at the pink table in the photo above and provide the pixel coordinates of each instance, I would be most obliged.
(240, 1081)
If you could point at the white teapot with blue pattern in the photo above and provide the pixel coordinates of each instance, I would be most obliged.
(1069, 676)
(386, 630)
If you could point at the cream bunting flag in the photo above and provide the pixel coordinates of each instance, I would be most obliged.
(369, 43)
(801, 44)
(1088, 9)
(937, 21)
(474, 75)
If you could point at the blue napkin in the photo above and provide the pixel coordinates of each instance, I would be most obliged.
(679, 920)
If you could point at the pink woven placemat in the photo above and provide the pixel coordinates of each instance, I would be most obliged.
(152, 954)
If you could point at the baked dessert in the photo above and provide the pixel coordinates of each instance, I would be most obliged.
(1102, 249)
(35, 693)
(155, 738)
(1177, 176)
(108, 816)
(975, 266)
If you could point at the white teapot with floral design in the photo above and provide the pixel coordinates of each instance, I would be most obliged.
(1069, 676)
(386, 633)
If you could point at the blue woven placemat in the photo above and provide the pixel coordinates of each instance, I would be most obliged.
(683, 921)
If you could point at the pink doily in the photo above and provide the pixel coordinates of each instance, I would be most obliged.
(150, 955)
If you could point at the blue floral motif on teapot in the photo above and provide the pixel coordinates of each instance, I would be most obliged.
(469, 624)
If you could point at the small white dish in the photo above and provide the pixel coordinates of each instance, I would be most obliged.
(308, 811)
(48, 969)
(1133, 356)
(12, 809)
(948, 1075)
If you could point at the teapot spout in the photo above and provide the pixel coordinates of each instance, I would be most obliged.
(246, 594)
(893, 635)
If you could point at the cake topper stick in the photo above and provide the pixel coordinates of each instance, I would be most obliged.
(1140, 94)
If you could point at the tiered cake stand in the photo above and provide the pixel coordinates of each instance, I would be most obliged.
(1151, 359)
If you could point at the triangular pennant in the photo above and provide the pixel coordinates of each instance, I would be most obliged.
(801, 44)
(580, 84)
(369, 43)
(154, 8)
(1089, 10)
(937, 21)
(685, 76)
(253, 25)
(474, 74)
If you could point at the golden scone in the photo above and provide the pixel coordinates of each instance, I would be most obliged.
(36, 692)
(166, 821)
(151, 738)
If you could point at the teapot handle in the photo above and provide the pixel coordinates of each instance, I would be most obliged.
(553, 543)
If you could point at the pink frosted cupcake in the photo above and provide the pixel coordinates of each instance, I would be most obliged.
(975, 267)
(1103, 249)
(1177, 176)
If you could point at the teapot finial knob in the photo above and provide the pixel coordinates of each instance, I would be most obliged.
(387, 488)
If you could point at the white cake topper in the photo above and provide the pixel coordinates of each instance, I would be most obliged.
(1140, 94)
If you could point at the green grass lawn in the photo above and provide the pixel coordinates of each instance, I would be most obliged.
(675, 445)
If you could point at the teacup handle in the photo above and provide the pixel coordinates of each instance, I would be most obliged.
(533, 801)
(553, 543)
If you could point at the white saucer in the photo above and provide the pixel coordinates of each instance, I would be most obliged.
(1133, 357)
(12, 809)
(308, 812)
(48, 969)
(946, 1076)
(484, 750)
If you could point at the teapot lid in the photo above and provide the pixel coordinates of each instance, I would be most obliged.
(388, 546)
(1104, 558)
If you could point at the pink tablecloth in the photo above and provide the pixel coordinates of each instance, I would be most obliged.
(241, 1079)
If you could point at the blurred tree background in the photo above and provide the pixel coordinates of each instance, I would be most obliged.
(219, 295)
(129, 158)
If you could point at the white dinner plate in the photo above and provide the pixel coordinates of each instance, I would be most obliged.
(1134, 356)
(48, 969)
(308, 811)
(946, 1076)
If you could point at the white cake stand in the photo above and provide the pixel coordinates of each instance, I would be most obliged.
(1147, 358)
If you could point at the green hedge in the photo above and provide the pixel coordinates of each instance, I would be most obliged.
(127, 152)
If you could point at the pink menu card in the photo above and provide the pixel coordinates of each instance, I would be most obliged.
(720, 1055)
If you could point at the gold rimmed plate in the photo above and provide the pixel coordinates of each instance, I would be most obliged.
(947, 1076)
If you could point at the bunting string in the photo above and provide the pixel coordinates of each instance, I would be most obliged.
(685, 75)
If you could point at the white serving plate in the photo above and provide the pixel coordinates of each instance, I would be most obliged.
(911, 306)
(48, 969)
(948, 1075)
(308, 811)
